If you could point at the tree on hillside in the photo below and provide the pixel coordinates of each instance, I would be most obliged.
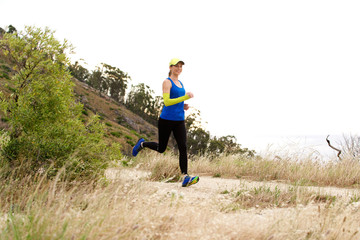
(140, 100)
(116, 81)
(227, 145)
(11, 29)
(197, 137)
(109, 80)
(198, 140)
(158, 105)
(97, 81)
(46, 128)
(79, 72)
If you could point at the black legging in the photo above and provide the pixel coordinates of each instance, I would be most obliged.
(165, 128)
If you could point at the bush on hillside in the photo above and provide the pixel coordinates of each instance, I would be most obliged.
(45, 124)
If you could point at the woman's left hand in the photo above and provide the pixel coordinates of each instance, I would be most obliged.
(186, 107)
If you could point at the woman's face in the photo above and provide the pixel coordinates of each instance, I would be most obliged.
(176, 69)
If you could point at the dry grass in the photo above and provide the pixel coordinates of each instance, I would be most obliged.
(135, 209)
(162, 167)
(127, 206)
(267, 197)
(296, 171)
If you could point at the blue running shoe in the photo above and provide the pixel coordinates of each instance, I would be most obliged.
(137, 148)
(188, 181)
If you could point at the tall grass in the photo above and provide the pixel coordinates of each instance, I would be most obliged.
(305, 171)
(161, 167)
(38, 208)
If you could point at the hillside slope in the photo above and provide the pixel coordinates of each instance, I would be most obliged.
(121, 124)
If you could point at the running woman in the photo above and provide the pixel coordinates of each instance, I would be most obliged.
(172, 119)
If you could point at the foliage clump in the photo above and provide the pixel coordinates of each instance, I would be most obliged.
(44, 118)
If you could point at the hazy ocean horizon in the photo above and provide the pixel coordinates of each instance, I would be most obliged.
(303, 145)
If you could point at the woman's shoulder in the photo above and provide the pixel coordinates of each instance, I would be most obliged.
(167, 81)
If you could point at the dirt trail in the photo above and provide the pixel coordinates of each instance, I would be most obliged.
(210, 188)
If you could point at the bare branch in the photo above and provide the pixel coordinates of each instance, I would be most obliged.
(336, 149)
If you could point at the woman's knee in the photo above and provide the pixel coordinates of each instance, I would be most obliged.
(161, 149)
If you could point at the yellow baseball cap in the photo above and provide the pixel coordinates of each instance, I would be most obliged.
(175, 61)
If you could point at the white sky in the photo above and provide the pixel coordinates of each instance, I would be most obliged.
(264, 71)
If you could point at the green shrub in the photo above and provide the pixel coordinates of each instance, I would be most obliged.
(4, 75)
(85, 112)
(135, 133)
(46, 126)
(102, 116)
(116, 134)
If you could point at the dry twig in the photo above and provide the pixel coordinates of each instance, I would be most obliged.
(336, 149)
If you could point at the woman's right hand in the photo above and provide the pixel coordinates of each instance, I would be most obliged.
(190, 94)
